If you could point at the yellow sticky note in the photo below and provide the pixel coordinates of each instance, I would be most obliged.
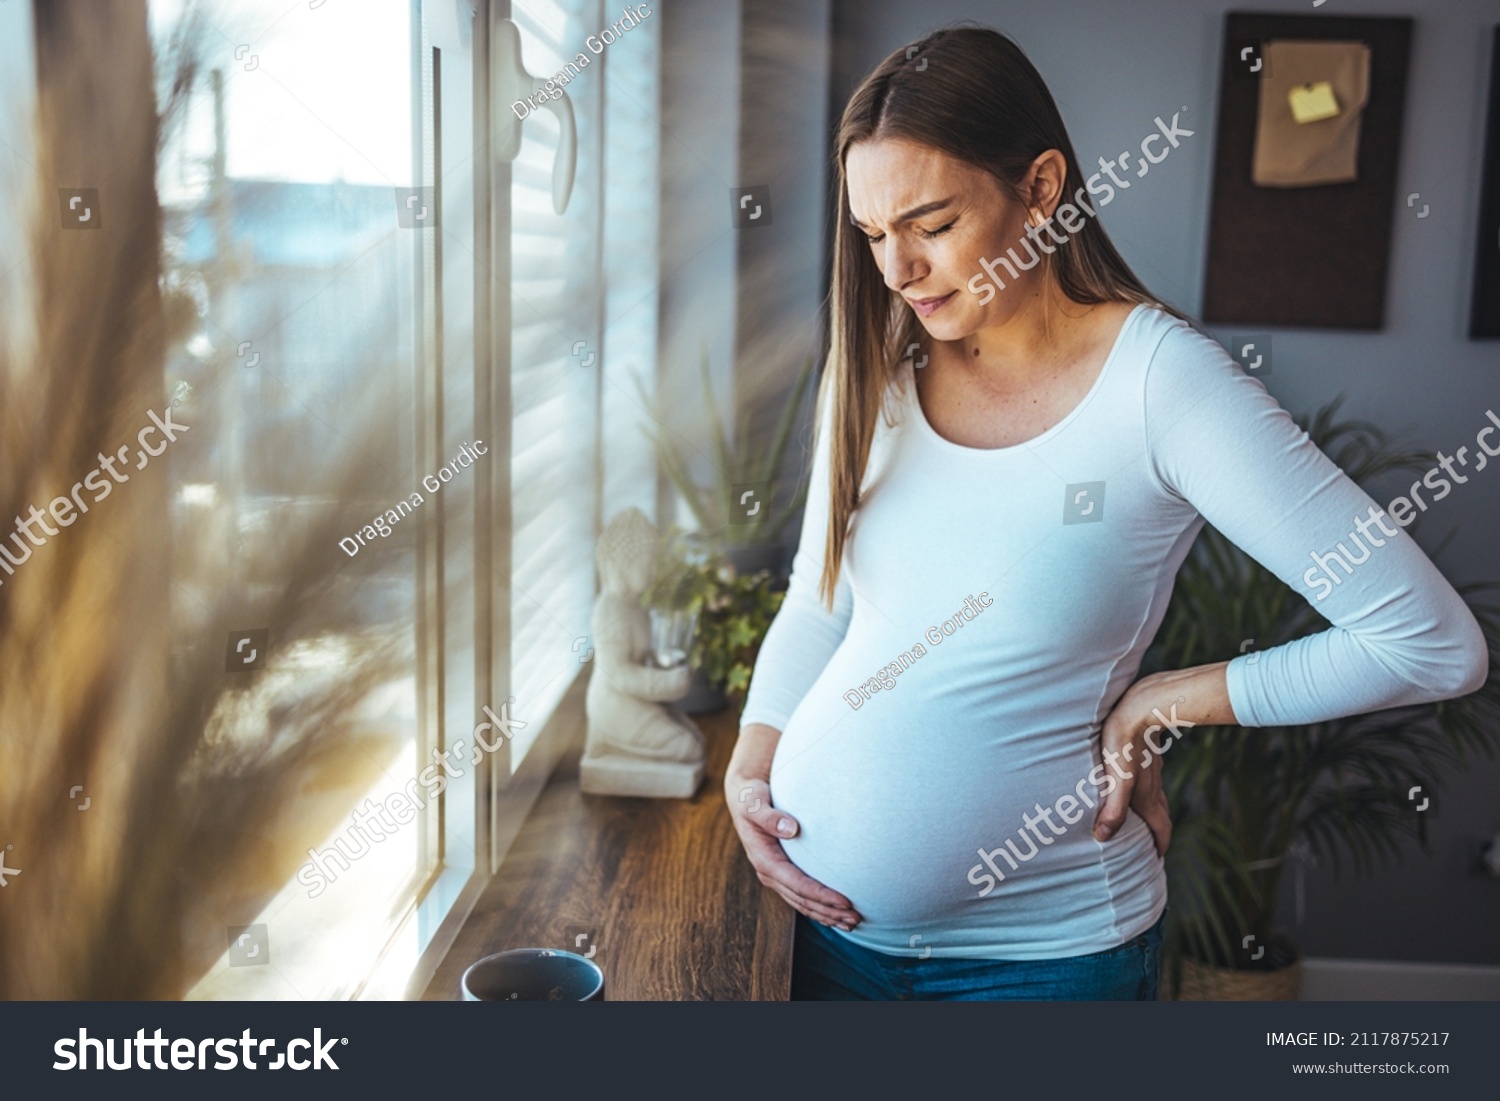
(1313, 102)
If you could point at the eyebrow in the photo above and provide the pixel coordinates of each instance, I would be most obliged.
(914, 212)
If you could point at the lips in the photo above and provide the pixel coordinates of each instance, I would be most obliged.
(926, 307)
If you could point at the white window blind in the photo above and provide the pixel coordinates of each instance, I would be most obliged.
(632, 171)
(556, 283)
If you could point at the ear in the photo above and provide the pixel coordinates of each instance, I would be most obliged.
(1043, 185)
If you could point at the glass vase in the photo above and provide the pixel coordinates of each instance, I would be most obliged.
(671, 636)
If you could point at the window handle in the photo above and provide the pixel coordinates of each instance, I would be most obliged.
(512, 83)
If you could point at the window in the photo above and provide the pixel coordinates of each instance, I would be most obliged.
(298, 297)
(372, 307)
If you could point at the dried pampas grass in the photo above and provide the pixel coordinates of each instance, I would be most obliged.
(112, 671)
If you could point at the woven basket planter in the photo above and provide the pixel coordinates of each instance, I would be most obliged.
(1202, 983)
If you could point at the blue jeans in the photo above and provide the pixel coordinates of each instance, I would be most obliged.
(826, 966)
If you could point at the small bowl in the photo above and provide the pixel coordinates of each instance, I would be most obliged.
(534, 975)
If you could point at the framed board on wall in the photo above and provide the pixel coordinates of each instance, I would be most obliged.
(1484, 322)
(1314, 256)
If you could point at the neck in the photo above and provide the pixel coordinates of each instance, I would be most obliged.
(1043, 331)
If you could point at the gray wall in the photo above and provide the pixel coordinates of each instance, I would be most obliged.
(744, 103)
(783, 125)
(700, 87)
(1112, 68)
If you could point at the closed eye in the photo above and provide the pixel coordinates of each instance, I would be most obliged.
(929, 235)
(925, 234)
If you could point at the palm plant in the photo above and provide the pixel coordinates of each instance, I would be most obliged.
(744, 463)
(1243, 800)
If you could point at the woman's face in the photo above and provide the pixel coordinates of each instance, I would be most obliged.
(931, 219)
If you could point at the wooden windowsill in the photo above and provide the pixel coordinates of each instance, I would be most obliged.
(660, 887)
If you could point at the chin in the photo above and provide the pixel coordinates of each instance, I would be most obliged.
(956, 327)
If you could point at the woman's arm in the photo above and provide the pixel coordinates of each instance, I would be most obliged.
(804, 634)
(1400, 634)
(795, 651)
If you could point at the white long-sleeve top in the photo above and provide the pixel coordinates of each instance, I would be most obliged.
(914, 774)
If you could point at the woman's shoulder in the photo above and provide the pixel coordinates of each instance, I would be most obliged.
(1159, 332)
(1176, 360)
(1188, 379)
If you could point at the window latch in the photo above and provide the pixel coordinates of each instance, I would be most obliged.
(512, 84)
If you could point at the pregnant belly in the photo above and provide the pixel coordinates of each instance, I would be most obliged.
(893, 814)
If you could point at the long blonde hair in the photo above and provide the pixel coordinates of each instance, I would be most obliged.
(980, 100)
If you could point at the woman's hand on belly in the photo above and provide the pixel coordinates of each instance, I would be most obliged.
(747, 790)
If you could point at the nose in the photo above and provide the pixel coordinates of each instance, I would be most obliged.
(901, 265)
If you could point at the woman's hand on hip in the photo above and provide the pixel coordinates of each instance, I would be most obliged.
(1144, 723)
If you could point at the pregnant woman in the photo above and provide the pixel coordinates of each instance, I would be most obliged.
(944, 763)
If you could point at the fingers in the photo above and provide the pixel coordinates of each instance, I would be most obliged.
(752, 801)
(806, 895)
(1150, 802)
(1112, 810)
(775, 822)
(1115, 743)
(816, 913)
(1160, 823)
(1142, 792)
(752, 804)
(762, 828)
(801, 890)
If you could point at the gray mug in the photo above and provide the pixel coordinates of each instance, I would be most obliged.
(534, 975)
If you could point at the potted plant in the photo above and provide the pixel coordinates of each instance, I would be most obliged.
(741, 513)
(1244, 800)
(737, 613)
(730, 612)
